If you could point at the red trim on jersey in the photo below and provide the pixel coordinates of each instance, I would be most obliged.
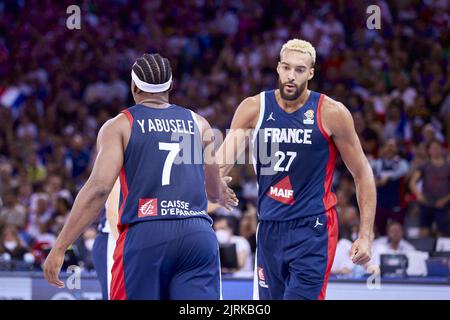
(329, 198)
(129, 116)
(319, 118)
(124, 190)
(332, 229)
(118, 278)
(118, 291)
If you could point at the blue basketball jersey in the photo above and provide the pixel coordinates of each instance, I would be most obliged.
(294, 160)
(163, 173)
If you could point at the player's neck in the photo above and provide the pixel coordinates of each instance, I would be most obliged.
(154, 101)
(292, 105)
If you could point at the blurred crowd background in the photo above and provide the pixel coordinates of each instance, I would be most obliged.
(58, 86)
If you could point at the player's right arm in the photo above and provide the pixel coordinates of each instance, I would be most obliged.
(216, 188)
(92, 197)
(244, 119)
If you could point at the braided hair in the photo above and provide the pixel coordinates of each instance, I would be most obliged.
(152, 68)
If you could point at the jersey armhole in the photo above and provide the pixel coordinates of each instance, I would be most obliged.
(129, 116)
(319, 118)
(262, 108)
(127, 113)
(194, 117)
(200, 131)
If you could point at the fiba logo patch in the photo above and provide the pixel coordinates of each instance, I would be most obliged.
(261, 278)
(148, 207)
(309, 115)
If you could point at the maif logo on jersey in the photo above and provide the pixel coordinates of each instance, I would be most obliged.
(282, 191)
(148, 207)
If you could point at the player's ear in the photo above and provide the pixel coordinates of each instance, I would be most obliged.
(311, 73)
(134, 88)
(278, 67)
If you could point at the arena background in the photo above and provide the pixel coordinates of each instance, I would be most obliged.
(59, 85)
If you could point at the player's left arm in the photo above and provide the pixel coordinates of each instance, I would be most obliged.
(338, 123)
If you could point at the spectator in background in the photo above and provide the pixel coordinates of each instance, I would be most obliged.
(45, 236)
(396, 125)
(343, 264)
(434, 193)
(54, 188)
(11, 244)
(77, 157)
(60, 214)
(27, 129)
(368, 136)
(43, 241)
(25, 192)
(46, 145)
(225, 235)
(430, 134)
(389, 171)
(35, 169)
(404, 91)
(40, 214)
(83, 248)
(348, 216)
(6, 181)
(248, 225)
(393, 243)
(250, 189)
(444, 112)
(13, 213)
(310, 28)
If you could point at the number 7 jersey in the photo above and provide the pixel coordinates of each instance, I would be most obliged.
(294, 160)
(163, 171)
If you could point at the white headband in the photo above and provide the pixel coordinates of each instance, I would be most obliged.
(152, 88)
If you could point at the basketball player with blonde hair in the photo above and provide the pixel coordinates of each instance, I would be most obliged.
(302, 131)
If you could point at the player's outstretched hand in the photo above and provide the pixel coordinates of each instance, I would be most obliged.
(361, 251)
(52, 267)
(228, 199)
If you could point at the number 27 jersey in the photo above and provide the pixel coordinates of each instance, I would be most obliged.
(294, 160)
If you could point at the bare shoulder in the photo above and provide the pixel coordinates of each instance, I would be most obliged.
(117, 123)
(247, 113)
(117, 127)
(335, 116)
(252, 100)
(333, 108)
(252, 103)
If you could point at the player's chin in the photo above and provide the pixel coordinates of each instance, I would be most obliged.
(290, 95)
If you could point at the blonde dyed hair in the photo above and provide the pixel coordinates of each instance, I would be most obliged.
(300, 46)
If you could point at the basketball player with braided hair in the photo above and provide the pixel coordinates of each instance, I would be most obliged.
(166, 248)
